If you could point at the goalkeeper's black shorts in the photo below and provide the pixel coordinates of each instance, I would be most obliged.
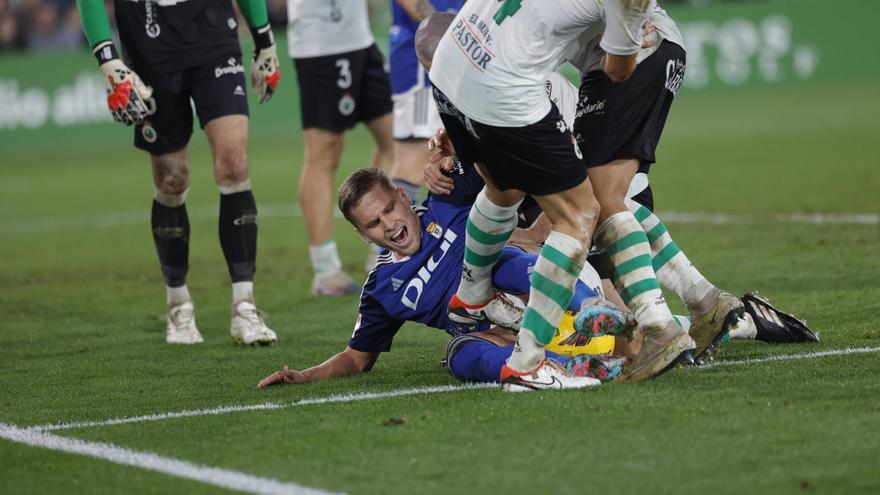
(216, 89)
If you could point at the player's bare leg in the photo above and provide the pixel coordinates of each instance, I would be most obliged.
(381, 130)
(170, 225)
(237, 225)
(410, 157)
(621, 238)
(316, 198)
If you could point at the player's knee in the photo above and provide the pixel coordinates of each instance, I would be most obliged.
(172, 181)
(231, 169)
(171, 173)
(172, 185)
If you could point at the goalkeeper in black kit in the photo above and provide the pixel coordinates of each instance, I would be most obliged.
(176, 51)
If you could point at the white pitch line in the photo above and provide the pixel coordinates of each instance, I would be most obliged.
(330, 399)
(362, 396)
(161, 416)
(281, 210)
(791, 357)
(789, 218)
(223, 478)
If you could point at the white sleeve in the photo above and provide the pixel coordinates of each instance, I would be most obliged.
(623, 27)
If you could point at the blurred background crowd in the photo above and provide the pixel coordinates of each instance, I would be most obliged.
(53, 25)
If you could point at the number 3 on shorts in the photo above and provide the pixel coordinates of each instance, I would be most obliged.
(344, 66)
(507, 9)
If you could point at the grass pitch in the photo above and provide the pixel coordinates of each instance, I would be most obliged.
(82, 337)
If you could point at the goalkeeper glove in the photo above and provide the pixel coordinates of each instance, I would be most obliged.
(265, 72)
(128, 98)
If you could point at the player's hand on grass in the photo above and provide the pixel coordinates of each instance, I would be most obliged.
(284, 375)
(436, 178)
(128, 98)
(265, 70)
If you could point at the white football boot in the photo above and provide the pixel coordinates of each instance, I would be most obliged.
(181, 327)
(502, 309)
(549, 375)
(333, 284)
(248, 327)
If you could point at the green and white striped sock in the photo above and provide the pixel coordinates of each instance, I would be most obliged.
(622, 239)
(489, 226)
(674, 270)
(552, 286)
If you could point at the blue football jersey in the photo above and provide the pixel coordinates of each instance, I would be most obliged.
(419, 287)
(405, 71)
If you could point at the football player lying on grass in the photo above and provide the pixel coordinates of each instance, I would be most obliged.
(417, 274)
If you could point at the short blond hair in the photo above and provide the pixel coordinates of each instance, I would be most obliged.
(357, 185)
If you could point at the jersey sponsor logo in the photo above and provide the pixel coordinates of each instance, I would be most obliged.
(233, 67)
(396, 283)
(151, 25)
(239, 91)
(434, 229)
(674, 75)
(584, 108)
(148, 132)
(469, 42)
(231, 23)
(413, 291)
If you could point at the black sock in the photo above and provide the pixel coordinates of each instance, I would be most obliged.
(238, 234)
(171, 234)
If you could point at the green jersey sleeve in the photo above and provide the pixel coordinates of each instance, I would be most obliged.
(95, 22)
(254, 12)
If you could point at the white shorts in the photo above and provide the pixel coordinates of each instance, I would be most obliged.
(415, 114)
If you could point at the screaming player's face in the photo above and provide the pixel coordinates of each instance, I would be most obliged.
(386, 219)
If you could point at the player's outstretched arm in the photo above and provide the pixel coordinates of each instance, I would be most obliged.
(128, 98)
(265, 70)
(347, 362)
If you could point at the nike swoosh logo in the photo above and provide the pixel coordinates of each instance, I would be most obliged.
(553, 383)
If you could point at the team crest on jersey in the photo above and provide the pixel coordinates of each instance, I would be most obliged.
(148, 132)
(346, 104)
(435, 230)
